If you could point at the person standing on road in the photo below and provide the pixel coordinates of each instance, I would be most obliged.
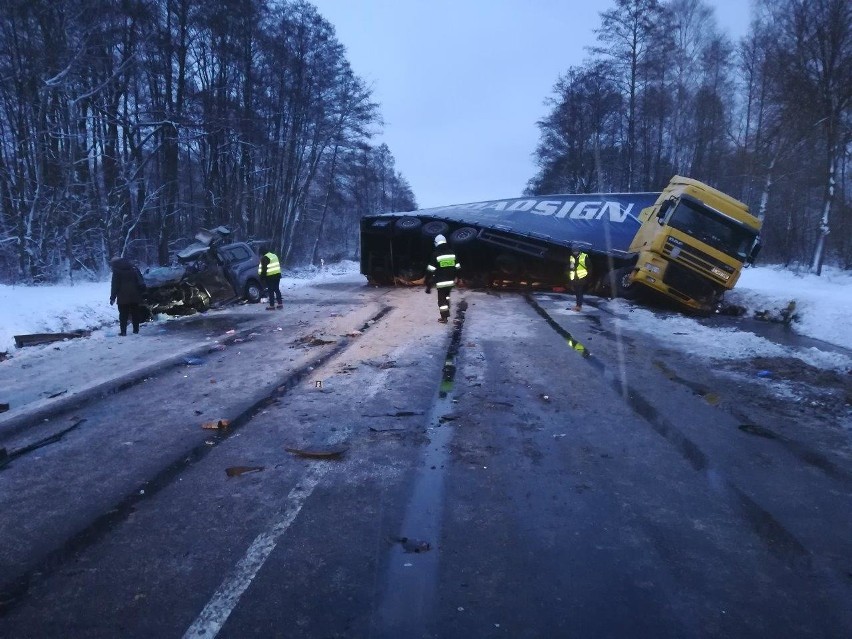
(578, 273)
(127, 288)
(269, 270)
(441, 272)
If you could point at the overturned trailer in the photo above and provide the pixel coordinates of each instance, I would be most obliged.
(687, 243)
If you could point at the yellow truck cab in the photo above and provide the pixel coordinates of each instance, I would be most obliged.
(692, 244)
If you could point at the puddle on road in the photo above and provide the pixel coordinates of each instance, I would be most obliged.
(410, 589)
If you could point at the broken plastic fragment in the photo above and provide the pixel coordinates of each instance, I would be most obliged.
(236, 471)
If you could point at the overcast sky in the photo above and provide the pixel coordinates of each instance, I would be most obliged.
(462, 83)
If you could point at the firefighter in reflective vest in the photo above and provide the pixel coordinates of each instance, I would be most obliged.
(578, 273)
(441, 273)
(269, 270)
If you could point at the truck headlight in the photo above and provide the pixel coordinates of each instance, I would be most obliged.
(652, 268)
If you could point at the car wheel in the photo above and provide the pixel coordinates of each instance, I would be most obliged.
(464, 235)
(408, 224)
(253, 292)
(435, 227)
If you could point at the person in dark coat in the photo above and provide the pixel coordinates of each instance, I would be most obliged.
(127, 288)
(441, 273)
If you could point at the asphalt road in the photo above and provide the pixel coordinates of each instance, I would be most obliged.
(520, 472)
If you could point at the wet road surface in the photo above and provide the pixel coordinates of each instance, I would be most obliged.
(521, 472)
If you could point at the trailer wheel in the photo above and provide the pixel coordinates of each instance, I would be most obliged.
(464, 235)
(408, 224)
(623, 286)
(435, 227)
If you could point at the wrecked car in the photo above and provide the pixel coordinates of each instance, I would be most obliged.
(686, 245)
(208, 273)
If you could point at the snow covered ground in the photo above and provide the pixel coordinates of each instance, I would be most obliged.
(823, 308)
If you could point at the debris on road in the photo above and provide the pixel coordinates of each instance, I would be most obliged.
(4, 408)
(193, 361)
(760, 431)
(387, 429)
(220, 424)
(764, 373)
(381, 365)
(413, 545)
(35, 339)
(236, 471)
(319, 452)
(399, 413)
(57, 394)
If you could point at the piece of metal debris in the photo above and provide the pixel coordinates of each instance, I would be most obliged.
(219, 424)
(319, 452)
(236, 471)
(34, 339)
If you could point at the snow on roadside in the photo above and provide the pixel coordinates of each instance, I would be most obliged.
(823, 309)
(823, 303)
(85, 305)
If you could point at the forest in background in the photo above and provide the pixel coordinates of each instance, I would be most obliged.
(767, 120)
(127, 125)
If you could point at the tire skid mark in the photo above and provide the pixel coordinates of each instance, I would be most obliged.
(13, 590)
(780, 542)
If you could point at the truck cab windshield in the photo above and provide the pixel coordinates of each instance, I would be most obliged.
(709, 227)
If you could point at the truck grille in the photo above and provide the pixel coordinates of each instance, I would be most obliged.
(697, 259)
(686, 283)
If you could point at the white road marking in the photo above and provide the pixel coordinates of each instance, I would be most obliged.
(227, 596)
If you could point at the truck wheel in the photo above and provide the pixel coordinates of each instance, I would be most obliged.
(253, 292)
(408, 224)
(435, 227)
(623, 286)
(464, 235)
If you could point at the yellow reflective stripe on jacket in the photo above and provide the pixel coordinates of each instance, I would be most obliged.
(447, 260)
(580, 271)
(273, 268)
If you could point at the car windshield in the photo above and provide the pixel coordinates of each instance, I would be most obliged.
(711, 228)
